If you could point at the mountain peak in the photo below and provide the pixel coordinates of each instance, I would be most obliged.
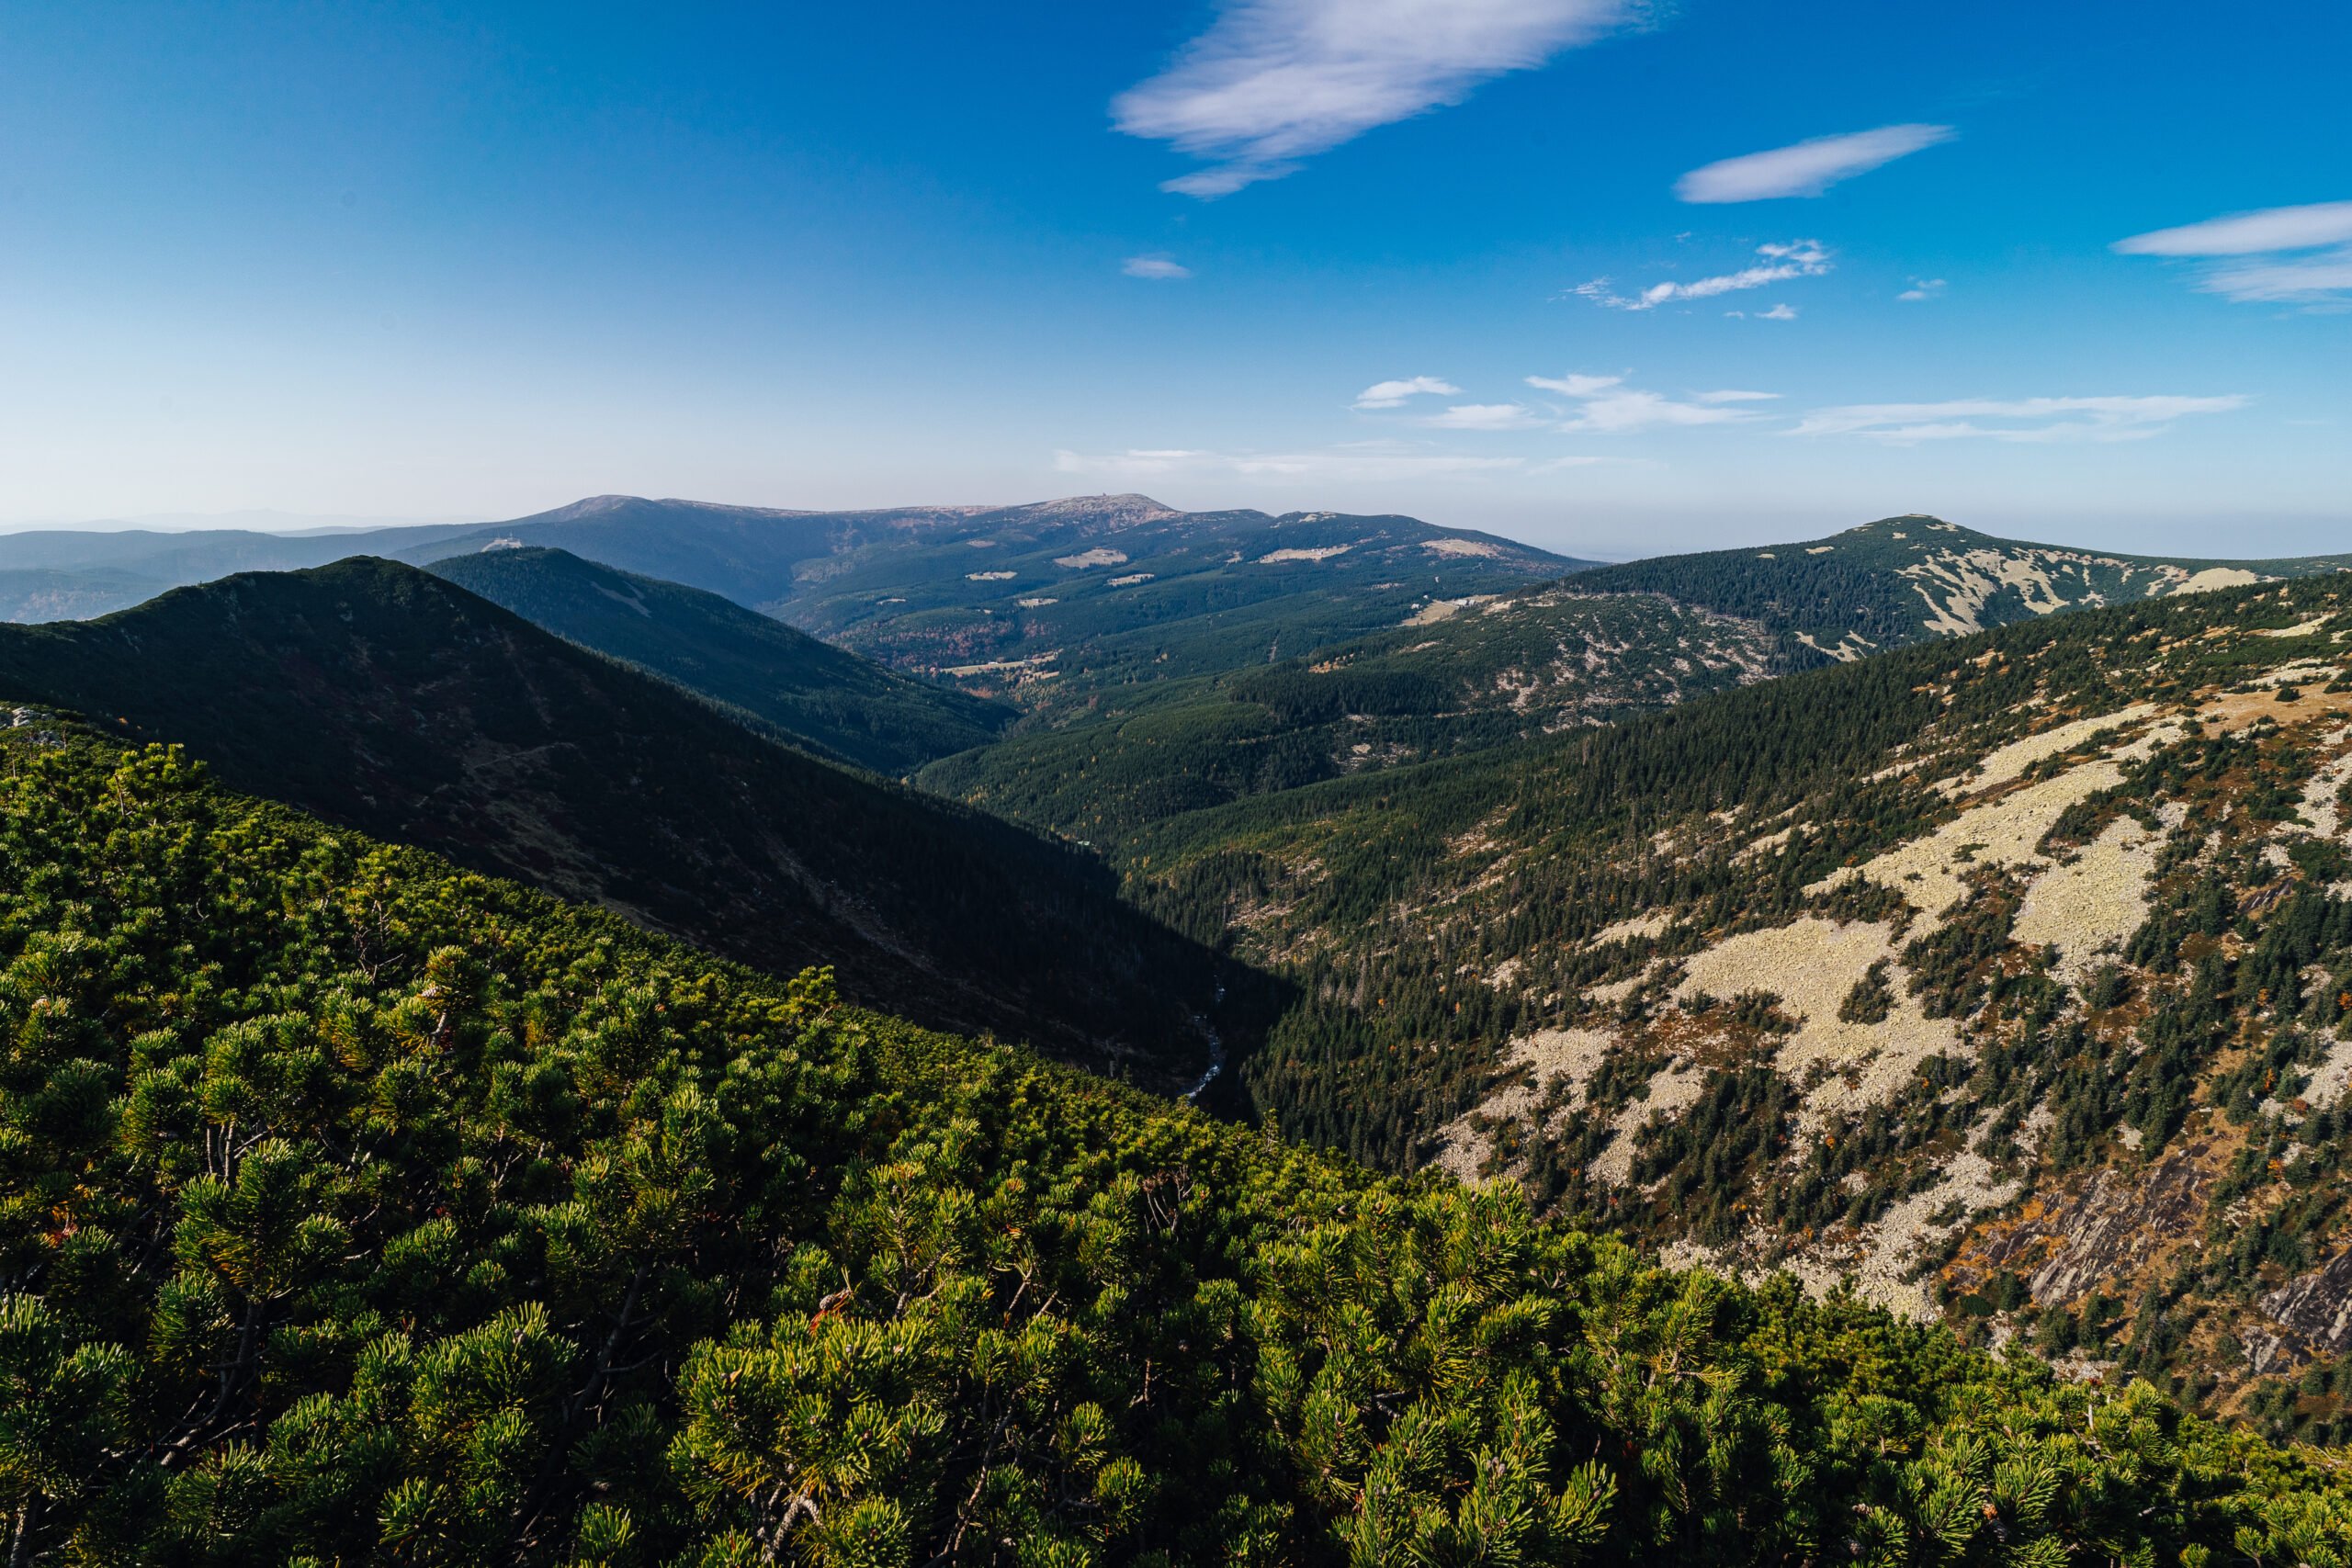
(1114, 511)
(1907, 523)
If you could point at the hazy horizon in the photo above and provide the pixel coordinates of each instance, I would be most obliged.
(1611, 277)
(2293, 537)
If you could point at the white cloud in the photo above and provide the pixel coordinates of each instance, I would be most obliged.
(1922, 288)
(2018, 419)
(1575, 386)
(1605, 405)
(1618, 413)
(1272, 82)
(1778, 313)
(1158, 269)
(2270, 270)
(2250, 233)
(1554, 465)
(1800, 258)
(2321, 279)
(1392, 394)
(1370, 461)
(1808, 168)
(1485, 416)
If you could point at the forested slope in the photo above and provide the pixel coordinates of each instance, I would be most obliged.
(1458, 676)
(356, 1208)
(2003, 978)
(1059, 603)
(1903, 580)
(818, 695)
(387, 699)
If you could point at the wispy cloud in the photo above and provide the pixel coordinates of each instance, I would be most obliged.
(2293, 255)
(1158, 268)
(1486, 416)
(1392, 394)
(1605, 405)
(1808, 168)
(1366, 461)
(1922, 288)
(1619, 413)
(1799, 258)
(2250, 233)
(1575, 386)
(2017, 419)
(1778, 313)
(1272, 82)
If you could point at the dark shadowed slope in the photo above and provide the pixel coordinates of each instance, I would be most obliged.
(383, 697)
(833, 701)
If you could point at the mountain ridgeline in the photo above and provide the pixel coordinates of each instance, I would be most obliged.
(818, 697)
(388, 699)
(829, 570)
(1903, 580)
(1055, 605)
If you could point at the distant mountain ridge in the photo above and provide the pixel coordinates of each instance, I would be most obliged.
(1905, 579)
(761, 557)
(384, 698)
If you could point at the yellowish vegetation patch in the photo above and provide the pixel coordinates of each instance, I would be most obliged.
(1812, 965)
(2089, 907)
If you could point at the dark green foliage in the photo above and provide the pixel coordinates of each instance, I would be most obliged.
(355, 1208)
(1871, 1000)
(816, 695)
(387, 699)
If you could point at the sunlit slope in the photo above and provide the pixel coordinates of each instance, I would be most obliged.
(1457, 676)
(1904, 579)
(2002, 978)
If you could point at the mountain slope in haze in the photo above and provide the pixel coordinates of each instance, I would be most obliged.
(907, 585)
(749, 554)
(1903, 579)
(356, 1209)
(819, 695)
(1055, 605)
(2007, 979)
(1457, 676)
(388, 699)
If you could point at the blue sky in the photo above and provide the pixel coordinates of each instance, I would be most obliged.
(474, 260)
